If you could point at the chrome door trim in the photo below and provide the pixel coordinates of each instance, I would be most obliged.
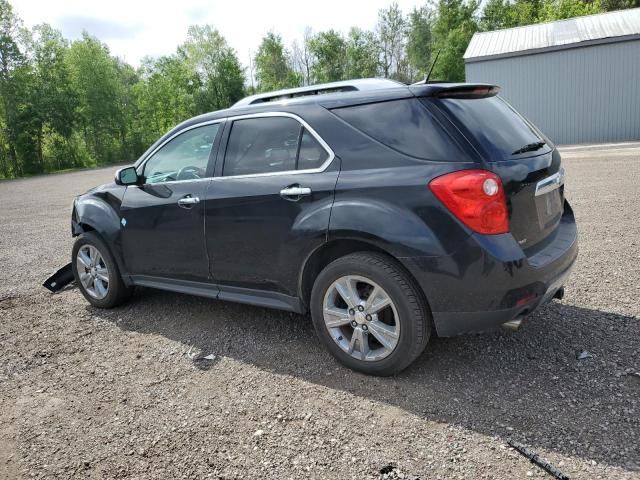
(309, 128)
(140, 168)
(321, 168)
(550, 183)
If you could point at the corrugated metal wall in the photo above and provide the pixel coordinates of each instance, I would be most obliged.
(578, 95)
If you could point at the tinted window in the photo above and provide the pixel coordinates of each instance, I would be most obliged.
(404, 125)
(183, 158)
(494, 124)
(312, 154)
(270, 144)
(262, 145)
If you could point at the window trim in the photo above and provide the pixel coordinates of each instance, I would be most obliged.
(216, 148)
(304, 124)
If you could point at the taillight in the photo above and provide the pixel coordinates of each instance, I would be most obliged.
(476, 198)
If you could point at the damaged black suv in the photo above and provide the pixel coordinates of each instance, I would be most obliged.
(389, 212)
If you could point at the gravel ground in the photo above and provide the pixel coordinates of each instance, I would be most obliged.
(86, 393)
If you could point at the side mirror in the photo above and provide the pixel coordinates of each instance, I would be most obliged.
(127, 176)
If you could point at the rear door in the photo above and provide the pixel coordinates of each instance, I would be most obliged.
(514, 149)
(268, 206)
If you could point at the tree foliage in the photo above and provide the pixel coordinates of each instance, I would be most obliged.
(361, 54)
(419, 40)
(216, 66)
(273, 65)
(330, 50)
(72, 104)
(392, 36)
(66, 104)
(453, 28)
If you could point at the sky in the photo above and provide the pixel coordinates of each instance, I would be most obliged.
(135, 28)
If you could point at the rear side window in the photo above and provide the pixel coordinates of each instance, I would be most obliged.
(406, 126)
(271, 145)
(494, 124)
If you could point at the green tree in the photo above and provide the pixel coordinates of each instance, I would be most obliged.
(499, 14)
(453, 28)
(610, 5)
(362, 54)
(53, 102)
(221, 77)
(392, 34)
(13, 73)
(419, 41)
(560, 9)
(94, 77)
(273, 65)
(303, 58)
(329, 50)
(131, 144)
(165, 95)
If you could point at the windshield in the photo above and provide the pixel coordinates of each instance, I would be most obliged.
(495, 126)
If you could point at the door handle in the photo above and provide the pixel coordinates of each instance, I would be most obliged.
(188, 201)
(295, 192)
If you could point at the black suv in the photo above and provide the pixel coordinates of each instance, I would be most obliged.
(389, 212)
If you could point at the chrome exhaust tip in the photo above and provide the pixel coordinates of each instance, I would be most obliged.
(512, 325)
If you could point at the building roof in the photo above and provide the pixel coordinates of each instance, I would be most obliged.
(560, 35)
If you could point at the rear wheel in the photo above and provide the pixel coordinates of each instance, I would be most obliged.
(96, 272)
(369, 314)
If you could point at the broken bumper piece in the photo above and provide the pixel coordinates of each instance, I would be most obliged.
(60, 279)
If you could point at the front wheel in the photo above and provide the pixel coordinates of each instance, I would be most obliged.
(369, 314)
(96, 272)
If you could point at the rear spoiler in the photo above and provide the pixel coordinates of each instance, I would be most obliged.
(455, 90)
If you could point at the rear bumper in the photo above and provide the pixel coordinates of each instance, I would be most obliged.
(449, 324)
(492, 281)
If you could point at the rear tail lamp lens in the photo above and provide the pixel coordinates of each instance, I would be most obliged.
(476, 198)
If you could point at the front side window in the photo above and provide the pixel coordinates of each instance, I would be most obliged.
(183, 158)
(270, 145)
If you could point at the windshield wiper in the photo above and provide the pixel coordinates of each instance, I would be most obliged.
(530, 147)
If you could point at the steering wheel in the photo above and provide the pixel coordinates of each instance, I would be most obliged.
(190, 172)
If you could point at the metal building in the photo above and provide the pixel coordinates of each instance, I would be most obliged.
(577, 79)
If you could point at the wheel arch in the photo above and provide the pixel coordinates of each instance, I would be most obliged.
(94, 214)
(336, 248)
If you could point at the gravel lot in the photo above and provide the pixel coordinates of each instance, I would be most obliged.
(86, 393)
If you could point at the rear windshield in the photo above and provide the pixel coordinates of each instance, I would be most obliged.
(406, 126)
(494, 125)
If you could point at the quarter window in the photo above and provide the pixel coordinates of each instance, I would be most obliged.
(270, 145)
(404, 125)
(312, 154)
(183, 158)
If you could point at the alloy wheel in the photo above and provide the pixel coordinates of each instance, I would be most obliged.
(93, 271)
(361, 318)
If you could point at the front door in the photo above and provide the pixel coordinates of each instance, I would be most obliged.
(268, 206)
(163, 219)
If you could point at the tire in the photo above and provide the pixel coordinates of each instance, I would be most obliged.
(368, 271)
(116, 291)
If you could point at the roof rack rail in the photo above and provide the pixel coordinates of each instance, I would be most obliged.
(333, 87)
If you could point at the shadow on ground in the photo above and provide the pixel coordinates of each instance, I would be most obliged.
(526, 385)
